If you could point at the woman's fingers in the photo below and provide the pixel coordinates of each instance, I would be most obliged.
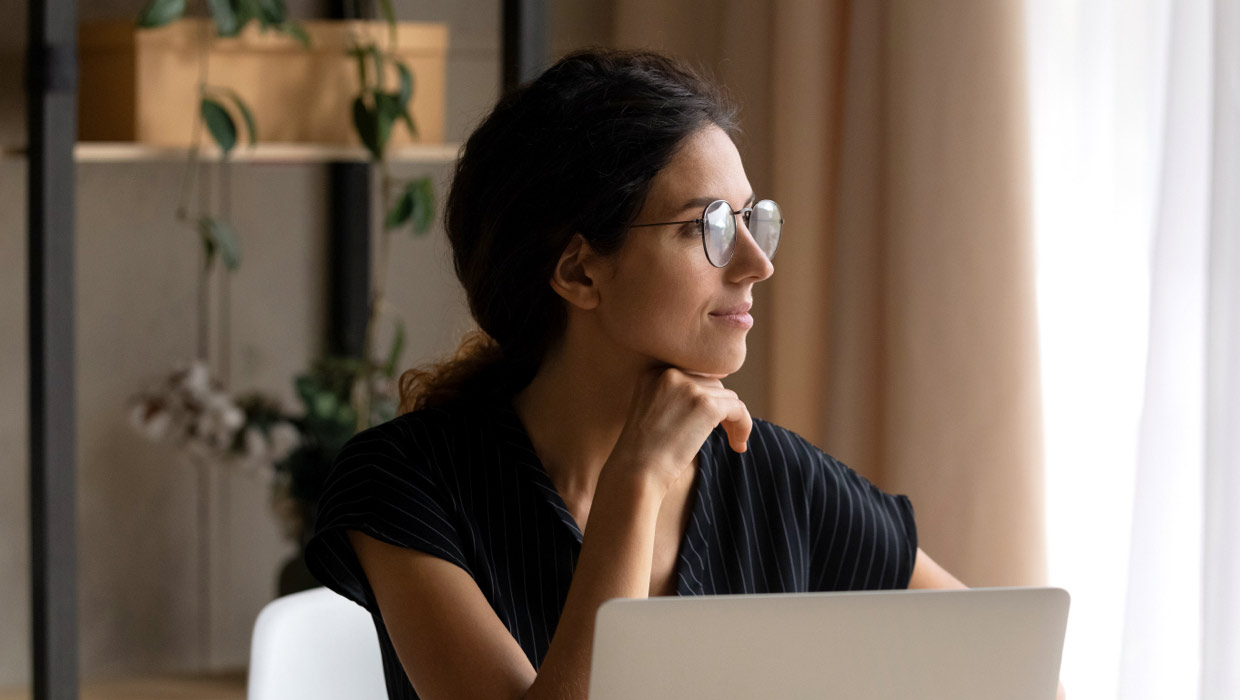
(728, 409)
(738, 424)
(673, 413)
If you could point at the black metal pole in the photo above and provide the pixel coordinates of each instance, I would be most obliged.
(52, 123)
(524, 41)
(348, 305)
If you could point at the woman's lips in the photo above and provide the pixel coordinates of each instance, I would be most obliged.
(736, 316)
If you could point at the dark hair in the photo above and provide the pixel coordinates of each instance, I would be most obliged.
(573, 151)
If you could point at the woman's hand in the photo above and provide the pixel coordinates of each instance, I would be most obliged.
(671, 415)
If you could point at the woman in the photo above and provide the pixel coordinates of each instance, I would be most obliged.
(583, 448)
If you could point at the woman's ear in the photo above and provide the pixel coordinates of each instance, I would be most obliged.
(570, 278)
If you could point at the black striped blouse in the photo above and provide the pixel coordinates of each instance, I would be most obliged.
(466, 486)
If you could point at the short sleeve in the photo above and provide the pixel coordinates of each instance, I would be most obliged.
(863, 538)
(386, 482)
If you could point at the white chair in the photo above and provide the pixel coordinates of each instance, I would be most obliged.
(315, 645)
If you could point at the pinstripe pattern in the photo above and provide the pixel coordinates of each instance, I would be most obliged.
(466, 486)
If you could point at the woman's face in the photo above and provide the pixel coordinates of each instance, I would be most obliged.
(659, 296)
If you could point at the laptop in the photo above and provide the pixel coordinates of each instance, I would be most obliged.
(977, 644)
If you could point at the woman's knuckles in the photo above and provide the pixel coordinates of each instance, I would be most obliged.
(674, 413)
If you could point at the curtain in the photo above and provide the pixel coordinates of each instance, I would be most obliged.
(899, 330)
(1182, 624)
(1137, 179)
(1098, 80)
(1221, 587)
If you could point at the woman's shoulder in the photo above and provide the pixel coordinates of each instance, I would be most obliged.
(778, 453)
(416, 430)
(772, 442)
(421, 445)
(767, 429)
(416, 457)
(389, 481)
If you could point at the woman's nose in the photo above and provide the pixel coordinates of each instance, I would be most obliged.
(749, 260)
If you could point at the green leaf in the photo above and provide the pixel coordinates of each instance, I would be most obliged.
(247, 10)
(224, 16)
(324, 404)
(367, 127)
(388, 110)
(223, 238)
(398, 344)
(246, 114)
(273, 11)
(407, 118)
(297, 31)
(157, 13)
(401, 211)
(423, 204)
(220, 124)
(249, 118)
(405, 94)
(306, 388)
(406, 83)
(417, 203)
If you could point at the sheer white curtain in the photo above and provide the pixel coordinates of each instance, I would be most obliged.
(1221, 609)
(1096, 81)
(1134, 121)
(1163, 621)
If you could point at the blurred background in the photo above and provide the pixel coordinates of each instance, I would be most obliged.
(1006, 289)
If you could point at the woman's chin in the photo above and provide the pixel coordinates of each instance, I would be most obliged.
(718, 366)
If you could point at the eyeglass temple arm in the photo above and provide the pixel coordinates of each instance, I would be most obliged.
(668, 223)
(690, 221)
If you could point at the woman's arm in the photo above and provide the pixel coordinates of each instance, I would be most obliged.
(453, 645)
(449, 639)
(615, 562)
(928, 574)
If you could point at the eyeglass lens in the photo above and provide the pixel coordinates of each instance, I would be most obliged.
(765, 223)
(719, 234)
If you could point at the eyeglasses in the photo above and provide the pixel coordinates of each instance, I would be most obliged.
(764, 220)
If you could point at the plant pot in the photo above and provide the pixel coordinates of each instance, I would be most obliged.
(142, 84)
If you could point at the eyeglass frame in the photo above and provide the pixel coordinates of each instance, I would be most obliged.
(702, 229)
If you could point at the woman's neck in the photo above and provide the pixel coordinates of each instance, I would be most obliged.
(574, 410)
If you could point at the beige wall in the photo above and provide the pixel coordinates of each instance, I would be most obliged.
(14, 509)
(137, 502)
(14, 459)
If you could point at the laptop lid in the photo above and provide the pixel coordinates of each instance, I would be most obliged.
(977, 644)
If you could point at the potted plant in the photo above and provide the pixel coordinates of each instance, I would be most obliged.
(291, 450)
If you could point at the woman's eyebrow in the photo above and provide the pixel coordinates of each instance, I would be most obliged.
(700, 202)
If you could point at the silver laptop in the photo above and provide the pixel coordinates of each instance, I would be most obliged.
(978, 644)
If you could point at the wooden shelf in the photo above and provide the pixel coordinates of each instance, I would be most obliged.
(230, 685)
(126, 152)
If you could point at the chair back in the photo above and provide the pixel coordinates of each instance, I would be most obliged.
(315, 645)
